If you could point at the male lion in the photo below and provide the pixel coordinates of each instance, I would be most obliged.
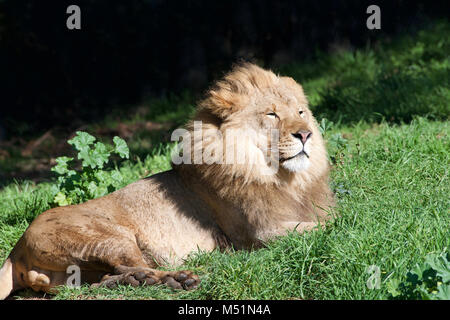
(124, 236)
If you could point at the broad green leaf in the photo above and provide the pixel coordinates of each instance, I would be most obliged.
(86, 156)
(71, 173)
(100, 155)
(121, 147)
(82, 140)
(97, 190)
(117, 178)
(392, 287)
(62, 165)
(441, 265)
(55, 188)
(92, 188)
(61, 199)
(443, 292)
(102, 176)
(101, 191)
(61, 180)
(116, 175)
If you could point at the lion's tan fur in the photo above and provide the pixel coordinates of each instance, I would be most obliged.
(263, 203)
(165, 217)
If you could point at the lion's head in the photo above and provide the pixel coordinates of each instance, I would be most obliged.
(274, 133)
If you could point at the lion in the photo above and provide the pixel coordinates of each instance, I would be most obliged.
(125, 236)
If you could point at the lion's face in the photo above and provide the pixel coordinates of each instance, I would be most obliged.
(290, 116)
(283, 111)
(274, 122)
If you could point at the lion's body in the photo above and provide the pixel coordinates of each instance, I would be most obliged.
(163, 218)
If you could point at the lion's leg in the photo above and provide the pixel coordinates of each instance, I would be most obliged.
(136, 272)
(115, 260)
(136, 276)
(130, 267)
(47, 272)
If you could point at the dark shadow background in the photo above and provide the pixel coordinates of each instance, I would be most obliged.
(127, 51)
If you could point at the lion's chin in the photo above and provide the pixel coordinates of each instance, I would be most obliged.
(299, 163)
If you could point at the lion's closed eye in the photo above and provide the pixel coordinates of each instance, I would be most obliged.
(272, 115)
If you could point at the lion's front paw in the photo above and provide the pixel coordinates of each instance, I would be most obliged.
(144, 276)
(182, 280)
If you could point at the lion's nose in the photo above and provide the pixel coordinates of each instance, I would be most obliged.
(302, 135)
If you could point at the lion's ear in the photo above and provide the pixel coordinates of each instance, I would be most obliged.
(288, 81)
(223, 101)
(221, 98)
(296, 87)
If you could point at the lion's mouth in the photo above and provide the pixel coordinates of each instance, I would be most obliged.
(303, 152)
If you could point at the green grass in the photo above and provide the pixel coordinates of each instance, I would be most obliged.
(389, 146)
